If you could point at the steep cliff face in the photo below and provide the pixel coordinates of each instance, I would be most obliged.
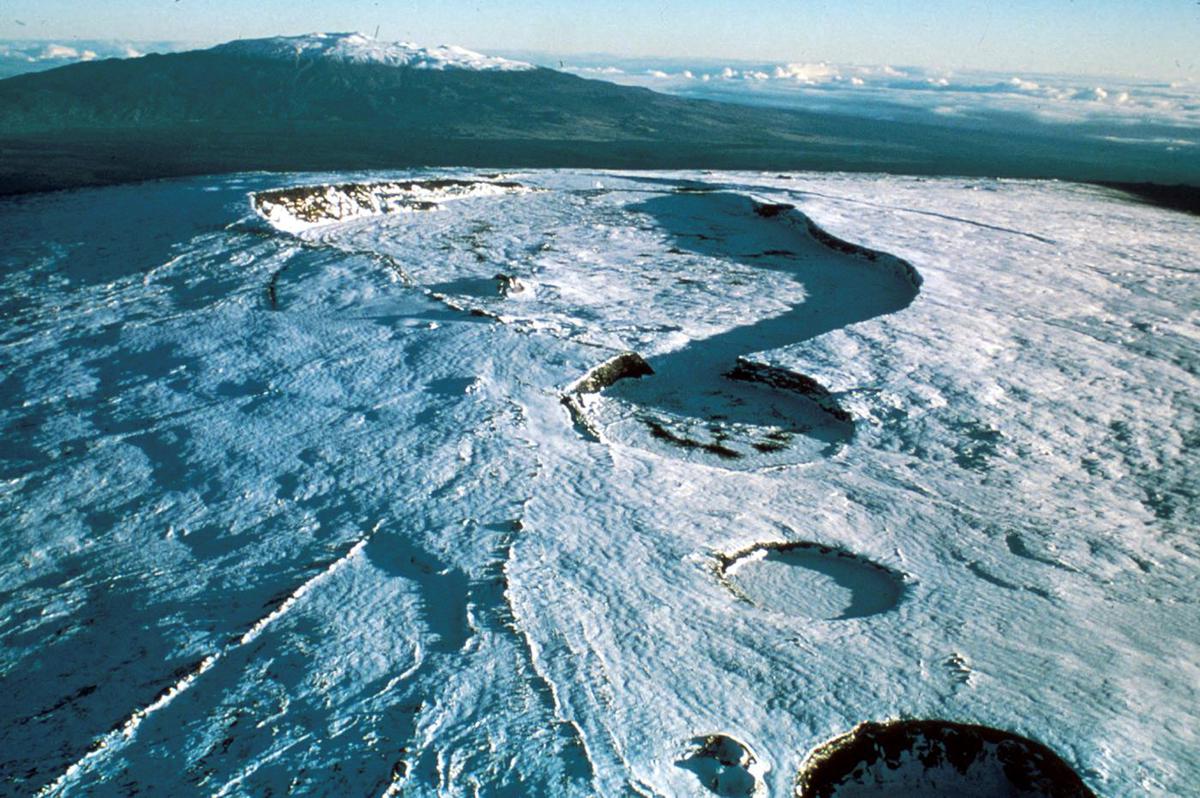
(304, 207)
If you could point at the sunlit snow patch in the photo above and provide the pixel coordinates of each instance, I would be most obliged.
(935, 759)
(811, 581)
(301, 208)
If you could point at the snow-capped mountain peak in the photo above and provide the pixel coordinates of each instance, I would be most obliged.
(360, 48)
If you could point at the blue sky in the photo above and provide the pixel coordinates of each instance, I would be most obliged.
(1152, 38)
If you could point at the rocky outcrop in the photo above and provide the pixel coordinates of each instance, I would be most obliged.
(507, 285)
(936, 759)
(622, 366)
(785, 380)
(302, 207)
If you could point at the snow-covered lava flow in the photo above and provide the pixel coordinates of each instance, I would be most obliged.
(709, 400)
(811, 580)
(541, 614)
(936, 759)
(303, 207)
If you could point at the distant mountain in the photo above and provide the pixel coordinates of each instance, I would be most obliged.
(347, 101)
(358, 48)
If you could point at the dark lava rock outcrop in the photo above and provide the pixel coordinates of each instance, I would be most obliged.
(936, 759)
(623, 366)
(300, 206)
(783, 379)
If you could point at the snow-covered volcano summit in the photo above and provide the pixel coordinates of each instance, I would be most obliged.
(359, 48)
(577, 483)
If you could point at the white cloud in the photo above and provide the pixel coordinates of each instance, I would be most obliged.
(807, 73)
(19, 56)
(587, 70)
(909, 92)
(53, 52)
(1171, 144)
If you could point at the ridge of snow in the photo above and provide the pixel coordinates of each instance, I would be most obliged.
(359, 48)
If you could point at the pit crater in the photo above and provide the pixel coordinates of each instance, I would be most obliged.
(811, 580)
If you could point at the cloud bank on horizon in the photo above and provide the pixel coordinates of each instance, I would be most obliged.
(18, 56)
(1165, 113)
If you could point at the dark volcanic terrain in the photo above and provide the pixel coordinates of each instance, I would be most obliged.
(226, 109)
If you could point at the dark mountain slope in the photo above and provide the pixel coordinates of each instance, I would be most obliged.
(217, 111)
(214, 88)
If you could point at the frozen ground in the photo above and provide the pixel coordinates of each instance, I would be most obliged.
(305, 512)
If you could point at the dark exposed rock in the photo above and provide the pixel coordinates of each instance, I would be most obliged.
(935, 758)
(331, 203)
(1178, 197)
(838, 244)
(769, 210)
(624, 365)
(715, 447)
(848, 248)
(507, 284)
(785, 380)
(579, 417)
(724, 561)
